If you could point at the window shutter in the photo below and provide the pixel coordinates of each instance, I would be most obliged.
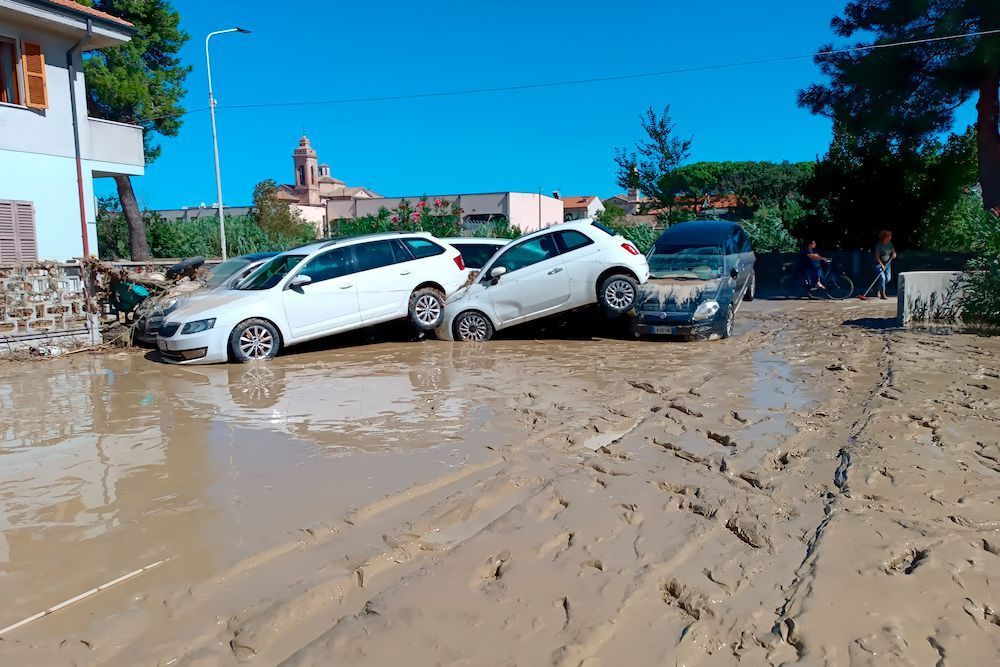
(18, 240)
(27, 241)
(8, 234)
(33, 64)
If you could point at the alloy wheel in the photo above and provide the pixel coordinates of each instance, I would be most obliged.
(473, 327)
(619, 294)
(427, 310)
(256, 342)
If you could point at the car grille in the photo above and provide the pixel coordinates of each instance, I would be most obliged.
(168, 330)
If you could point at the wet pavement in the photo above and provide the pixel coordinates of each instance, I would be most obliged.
(278, 493)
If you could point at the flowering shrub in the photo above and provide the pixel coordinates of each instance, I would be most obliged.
(439, 217)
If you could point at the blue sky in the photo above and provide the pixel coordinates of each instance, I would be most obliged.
(555, 139)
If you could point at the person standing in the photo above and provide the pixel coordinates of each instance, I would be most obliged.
(885, 252)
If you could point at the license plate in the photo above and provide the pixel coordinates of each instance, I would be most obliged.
(162, 345)
(662, 330)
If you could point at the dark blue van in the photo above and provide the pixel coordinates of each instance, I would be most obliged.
(699, 274)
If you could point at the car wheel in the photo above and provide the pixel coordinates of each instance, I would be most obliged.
(426, 308)
(727, 326)
(473, 327)
(618, 294)
(254, 340)
(751, 287)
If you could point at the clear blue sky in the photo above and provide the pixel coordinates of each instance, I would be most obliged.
(557, 139)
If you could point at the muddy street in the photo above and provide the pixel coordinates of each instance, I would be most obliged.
(819, 489)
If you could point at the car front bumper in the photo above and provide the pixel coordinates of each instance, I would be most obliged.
(200, 348)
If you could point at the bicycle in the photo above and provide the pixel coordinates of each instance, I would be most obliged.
(836, 284)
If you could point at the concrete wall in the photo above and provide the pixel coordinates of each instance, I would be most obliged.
(314, 215)
(930, 296)
(858, 265)
(116, 143)
(521, 208)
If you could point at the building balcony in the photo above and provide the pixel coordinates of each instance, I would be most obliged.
(117, 145)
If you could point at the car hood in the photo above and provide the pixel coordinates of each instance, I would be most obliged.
(672, 295)
(209, 303)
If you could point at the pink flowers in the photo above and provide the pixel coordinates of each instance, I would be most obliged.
(421, 204)
(395, 219)
(439, 203)
(416, 216)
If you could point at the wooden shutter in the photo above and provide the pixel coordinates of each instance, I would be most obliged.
(33, 66)
(8, 234)
(18, 239)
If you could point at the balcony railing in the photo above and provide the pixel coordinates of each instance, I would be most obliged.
(116, 143)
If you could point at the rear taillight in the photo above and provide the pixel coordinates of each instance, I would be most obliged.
(631, 249)
(460, 262)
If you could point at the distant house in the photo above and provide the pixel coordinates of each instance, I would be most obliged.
(630, 202)
(576, 208)
(50, 149)
(202, 211)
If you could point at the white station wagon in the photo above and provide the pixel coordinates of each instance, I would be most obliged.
(560, 268)
(317, 290)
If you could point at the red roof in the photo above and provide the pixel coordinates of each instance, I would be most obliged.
(578, 202)
(76, 6)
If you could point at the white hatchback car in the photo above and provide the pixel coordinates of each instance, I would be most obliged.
(550, 271)
(317, 290)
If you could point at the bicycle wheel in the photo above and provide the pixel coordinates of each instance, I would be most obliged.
(839, 287)
(793, 287)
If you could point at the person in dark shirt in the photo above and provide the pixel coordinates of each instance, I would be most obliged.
(811, 263)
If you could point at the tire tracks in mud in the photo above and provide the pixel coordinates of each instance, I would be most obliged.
(784, 626)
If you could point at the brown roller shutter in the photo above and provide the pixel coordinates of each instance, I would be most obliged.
(18, 237)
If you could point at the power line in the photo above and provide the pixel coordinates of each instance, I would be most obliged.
(578, 82)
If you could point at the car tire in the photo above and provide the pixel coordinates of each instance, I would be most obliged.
(473, 327)
(726, 328)
(426, 308)
(254, 340)
(751, 291)
(618, 294)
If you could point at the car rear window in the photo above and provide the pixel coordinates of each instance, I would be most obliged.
(606, 230)
(475, 255)
(422, 247)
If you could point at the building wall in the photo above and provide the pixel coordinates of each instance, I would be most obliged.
(37, 154)
(521, 208)
(314, 215)
(525, 212)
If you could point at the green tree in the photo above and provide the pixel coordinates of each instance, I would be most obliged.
(139, 82)
(647, 166)
(612, 216)
(908, 95)
(273, 216)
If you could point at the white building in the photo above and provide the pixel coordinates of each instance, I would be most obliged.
(50, 150)
(577, 208)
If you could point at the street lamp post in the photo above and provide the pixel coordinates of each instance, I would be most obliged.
(215, 137)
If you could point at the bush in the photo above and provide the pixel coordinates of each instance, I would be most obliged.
(498, 229)
(439, 217)
(981, 302)
(767, 231)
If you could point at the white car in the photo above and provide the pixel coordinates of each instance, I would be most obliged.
(550, 271)
(476, 250)
(317, 290)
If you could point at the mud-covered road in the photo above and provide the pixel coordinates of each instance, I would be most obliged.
(820, 489)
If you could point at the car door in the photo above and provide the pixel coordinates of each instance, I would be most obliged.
(582, 258)
(536, 282)
(383, 279)
(329, 303)
(743, 260)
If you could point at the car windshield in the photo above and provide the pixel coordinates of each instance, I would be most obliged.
(271, 273)
(693, 262)
(475, 255)
(219, 273)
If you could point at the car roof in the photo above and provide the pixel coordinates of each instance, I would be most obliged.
(582, 223)
(310, 248)
(256, 256)
(474, 240)
(697, 231)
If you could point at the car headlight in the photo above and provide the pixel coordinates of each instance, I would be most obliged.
(706, 310)
(198, 326)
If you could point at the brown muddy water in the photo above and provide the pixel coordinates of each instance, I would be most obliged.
(519, 502)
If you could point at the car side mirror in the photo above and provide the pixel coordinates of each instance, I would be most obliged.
(299, 281)
(734, 273)
(497, 272)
